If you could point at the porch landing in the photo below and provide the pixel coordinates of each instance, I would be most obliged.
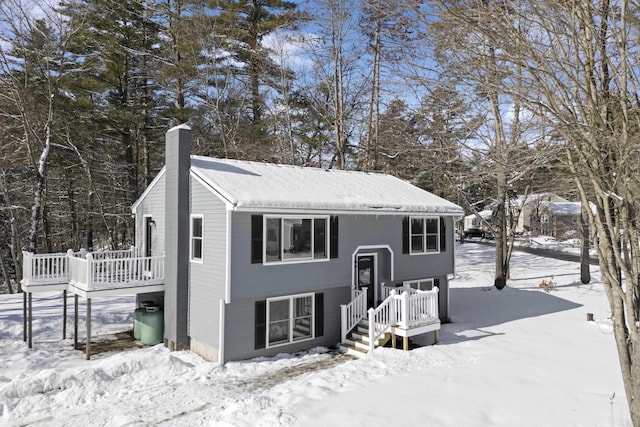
(408, 314)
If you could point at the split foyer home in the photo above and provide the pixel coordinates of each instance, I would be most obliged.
(260, 258)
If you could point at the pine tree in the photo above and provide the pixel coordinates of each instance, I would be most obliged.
(116, 41)
(243, 26)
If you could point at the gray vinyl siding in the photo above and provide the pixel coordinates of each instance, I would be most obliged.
(254, 282)
(240, 325)
(257, 280)
(153, 204)
(207, 279)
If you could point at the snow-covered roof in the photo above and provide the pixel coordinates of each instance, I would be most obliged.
(537, 198)
(563, 208)
(567, 208)
(252, 185)
(484, 214)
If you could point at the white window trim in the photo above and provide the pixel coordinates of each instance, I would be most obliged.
(281, 261)
(424, 234)
(417, 282)
(191, 258)
(291, 299)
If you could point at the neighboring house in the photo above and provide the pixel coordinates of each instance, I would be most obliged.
(472, 221)
(560, 220)
(528, 219)
(261, 258)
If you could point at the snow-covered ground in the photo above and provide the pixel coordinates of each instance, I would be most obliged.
(516, 357)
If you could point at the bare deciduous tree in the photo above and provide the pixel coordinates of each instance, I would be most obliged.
(579, 66)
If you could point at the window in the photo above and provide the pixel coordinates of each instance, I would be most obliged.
(291, 239)
(420, 284)
(424, 235)
(197, 233)
(290, 319)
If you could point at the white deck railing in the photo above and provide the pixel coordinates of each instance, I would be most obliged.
(353, 312)
(119, 254)
(404, 311)
(93, 271)
(386, 290)
(45, 269)
(90, 274)
(418, 308)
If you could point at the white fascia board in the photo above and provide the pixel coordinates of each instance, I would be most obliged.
(302, 211)
(148, 190)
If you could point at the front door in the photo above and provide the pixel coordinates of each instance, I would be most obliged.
(366, 276)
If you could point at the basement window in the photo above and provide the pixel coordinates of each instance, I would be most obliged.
(290, 319)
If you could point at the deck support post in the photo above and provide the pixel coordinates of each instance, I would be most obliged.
(405, 343)
(24, 316)
(436, 335)
(393, 340)
(75, 321)
(64, 314)
(88, 352)
(30, 321)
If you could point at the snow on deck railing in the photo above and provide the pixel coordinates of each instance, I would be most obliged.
(90, 274)
(353, 312)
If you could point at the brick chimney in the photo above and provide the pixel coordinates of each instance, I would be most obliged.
(176, 267)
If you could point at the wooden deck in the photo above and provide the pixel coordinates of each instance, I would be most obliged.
(89, 275)
(93, 273)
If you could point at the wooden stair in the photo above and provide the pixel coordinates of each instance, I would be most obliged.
(357, 342)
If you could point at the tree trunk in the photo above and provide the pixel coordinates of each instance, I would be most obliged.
(5, 274)
(39, 187)
(585, 275)
(338, 85)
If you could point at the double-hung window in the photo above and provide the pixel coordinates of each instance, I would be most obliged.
(293, 238)
(197, 237)
(424, 235)
(290, 319)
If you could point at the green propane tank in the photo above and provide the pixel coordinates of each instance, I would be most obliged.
(136, 318)
(152, 323)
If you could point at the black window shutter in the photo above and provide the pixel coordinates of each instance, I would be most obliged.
(261, 324)
(319, 315)
(256, 239)
(436, 283)
(405, 235)
(443, 235)
(333, 237)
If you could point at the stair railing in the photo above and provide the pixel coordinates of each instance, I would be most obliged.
(353, 312)
(381, 318)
